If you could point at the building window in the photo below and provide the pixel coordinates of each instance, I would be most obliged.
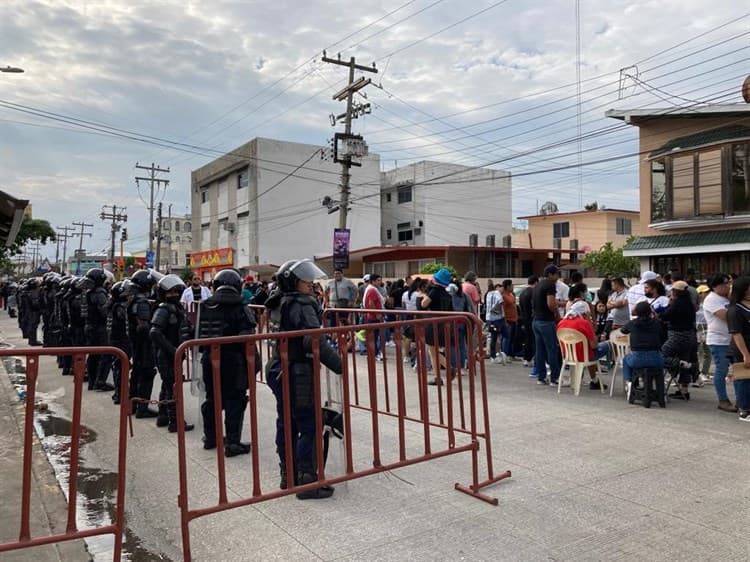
(165, 225)
(242, 180)
(658, 190)
(187, 259)
(561, 230)
(388, 234)
(387, 197)
(404, 194)
(177, 239)
(187, 227)
(740, 178)
(177, 225)
(624, 226)
(204, 196)
(405, 235)
(403, 225)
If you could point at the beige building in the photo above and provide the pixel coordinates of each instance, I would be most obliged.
(578, 232)
(176, 242)
(694, 188)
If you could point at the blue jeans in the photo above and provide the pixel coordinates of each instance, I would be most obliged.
(547, 349)
(719, 353)
(460, 353)
(509, 337)
(638, 359)
(742, 394)
(497, 330)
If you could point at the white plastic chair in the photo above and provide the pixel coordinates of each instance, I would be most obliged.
(620, 344)
(568, 339)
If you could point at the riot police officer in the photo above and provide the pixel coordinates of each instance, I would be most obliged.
(117, 331)
(139, 325)
(223, 314)
(299, 310)
(94, 313)
(31, 310)
(169, 328)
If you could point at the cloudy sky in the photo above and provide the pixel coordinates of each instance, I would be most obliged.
(479, 82)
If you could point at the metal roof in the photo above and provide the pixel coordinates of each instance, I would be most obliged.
(724, 110)
(703, 139)
(690, 239)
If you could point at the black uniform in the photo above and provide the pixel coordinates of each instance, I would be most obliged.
(117, 335)
(95, 327)
(144, 366)
(31, 312)
(223, 314)
(299, 312)
(169, 328)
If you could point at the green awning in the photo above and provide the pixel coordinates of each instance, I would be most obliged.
(703, 139)
(729, 238)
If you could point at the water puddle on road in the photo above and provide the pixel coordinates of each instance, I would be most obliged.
(96, 489)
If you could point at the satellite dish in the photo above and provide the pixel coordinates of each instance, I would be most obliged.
(549, 208)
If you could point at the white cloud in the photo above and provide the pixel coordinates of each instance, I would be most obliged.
(170, 68)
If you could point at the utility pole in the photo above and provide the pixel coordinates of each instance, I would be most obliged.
(117, 218)
(123, 237)
(153, 180)
(34, 248)
(354, 144)
(81, 234)
(64, 237)
(169, 239)
(157, 261)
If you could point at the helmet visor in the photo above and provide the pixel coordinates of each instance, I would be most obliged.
(305, 270)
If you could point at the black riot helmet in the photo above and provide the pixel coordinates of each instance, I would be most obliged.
(299, 270)
(142, 280)
(228, 278)
(119, 290)
(97, 275)
(169, 283)
(32, 283)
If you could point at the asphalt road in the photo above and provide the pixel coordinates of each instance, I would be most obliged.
(593, 478)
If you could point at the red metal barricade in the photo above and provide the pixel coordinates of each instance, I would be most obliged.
(462, 412)
(117, 527)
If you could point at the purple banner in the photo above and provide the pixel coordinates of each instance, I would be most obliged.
(341, 248)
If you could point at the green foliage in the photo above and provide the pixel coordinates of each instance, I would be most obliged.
(37, 230)
(437, 266)
(186, 275)
(594, 206)
(609, 260)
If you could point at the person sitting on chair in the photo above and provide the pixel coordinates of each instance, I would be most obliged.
(646, 338)
(576, 319)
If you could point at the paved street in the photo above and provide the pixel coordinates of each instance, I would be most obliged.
(593, 479)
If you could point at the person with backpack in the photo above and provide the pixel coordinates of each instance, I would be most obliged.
(496, 323)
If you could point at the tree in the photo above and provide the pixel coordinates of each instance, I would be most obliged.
(31, 230)
(609, 260)
(434, 267)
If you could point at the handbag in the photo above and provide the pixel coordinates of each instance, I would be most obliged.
(740, 372)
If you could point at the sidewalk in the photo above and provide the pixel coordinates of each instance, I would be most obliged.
(48, 505)
(593, 479)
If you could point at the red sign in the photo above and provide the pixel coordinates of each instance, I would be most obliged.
(212, 258)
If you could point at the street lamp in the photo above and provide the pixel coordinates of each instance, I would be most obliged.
(13, 69)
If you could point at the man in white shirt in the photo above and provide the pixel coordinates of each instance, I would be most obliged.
(718, 339)
(637, 291)
(617, 304)
(195, 292)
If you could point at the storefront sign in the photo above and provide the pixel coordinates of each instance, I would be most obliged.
(212, 258)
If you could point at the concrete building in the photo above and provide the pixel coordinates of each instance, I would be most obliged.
(579, 232)
(434, 203)
(260, 205)
(694, 188)
(176, 242)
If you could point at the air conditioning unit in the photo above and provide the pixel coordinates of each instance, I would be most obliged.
(417, 231)
(474, 240)
(557, 243)
(507, 241)
(574, 244)
(229, 226)
(490, 241)
(421, 223)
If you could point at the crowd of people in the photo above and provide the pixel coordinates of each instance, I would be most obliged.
(673, 323)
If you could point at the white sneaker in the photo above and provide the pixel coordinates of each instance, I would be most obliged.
(494, 360)
(503, 358)
(390, 344)
(526, 363)
(379, 357)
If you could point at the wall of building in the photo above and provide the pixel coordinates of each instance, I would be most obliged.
(592, 229)
(279, 215)
(656, 133)
(440, 210)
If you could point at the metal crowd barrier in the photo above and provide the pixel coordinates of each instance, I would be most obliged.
(72, 532)
(467, 400)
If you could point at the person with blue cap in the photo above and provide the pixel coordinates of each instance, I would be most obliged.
(438, 300)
